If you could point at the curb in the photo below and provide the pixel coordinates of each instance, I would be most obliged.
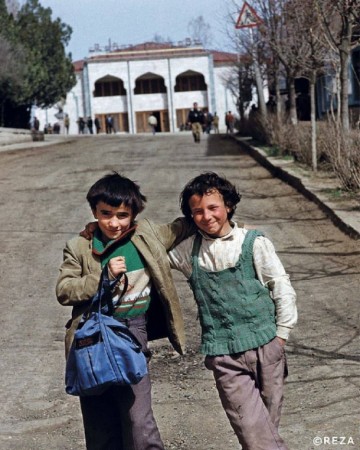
(298, 184)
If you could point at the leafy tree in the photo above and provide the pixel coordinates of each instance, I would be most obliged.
(50, 73)
(12, 6)
(34, 68)
(12, 68)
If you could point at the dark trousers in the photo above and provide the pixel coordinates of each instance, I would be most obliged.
(122, 417)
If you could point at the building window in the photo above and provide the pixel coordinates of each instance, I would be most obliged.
(150, 86)
(190, 82)
(109, 87)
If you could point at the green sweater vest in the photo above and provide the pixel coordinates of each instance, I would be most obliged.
(236, 311)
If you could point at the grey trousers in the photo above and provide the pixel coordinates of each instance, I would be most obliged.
(122, 418)
(250, 387)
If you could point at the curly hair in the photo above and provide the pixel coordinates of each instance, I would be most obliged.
(207, 182)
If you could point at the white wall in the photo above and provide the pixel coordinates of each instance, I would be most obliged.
(169, 69)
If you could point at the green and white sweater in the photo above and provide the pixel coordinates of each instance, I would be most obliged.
(136, 300)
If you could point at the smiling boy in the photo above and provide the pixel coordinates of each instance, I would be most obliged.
(246, 308)
(122, 418)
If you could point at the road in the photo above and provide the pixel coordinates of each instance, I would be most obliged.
(42, 204)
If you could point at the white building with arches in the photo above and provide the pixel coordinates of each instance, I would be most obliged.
(131, 83)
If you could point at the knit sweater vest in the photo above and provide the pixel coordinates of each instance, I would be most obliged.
(236, 311)
(136, 300)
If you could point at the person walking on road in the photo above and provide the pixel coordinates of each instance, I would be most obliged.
(246, 306)
(229, 122)
(196, 120)
(122, 418)
(216, 123)
(97, 125)
(90, 124)
(67, 123)
(152, 121)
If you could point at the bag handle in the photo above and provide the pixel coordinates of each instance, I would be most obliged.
(103, 296)
(109, 288)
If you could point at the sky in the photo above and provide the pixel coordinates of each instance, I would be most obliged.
(129, 22)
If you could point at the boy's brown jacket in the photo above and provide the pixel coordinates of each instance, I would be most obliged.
(81, 269)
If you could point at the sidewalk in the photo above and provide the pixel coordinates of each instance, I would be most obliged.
(321, 188)
(20, 139)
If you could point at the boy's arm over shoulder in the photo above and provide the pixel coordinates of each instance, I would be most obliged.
(271, 272)
(180, 256)
(169, 234)
(73, 287)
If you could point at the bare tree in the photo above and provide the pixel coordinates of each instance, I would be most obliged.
(286, 37)
(340, 19)
(248, 45)
(200, 31)
(304, 20)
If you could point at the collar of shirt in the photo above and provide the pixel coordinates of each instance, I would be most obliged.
(229, 236)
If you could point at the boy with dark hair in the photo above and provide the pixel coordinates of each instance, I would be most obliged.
(246, 308)
(122, 418)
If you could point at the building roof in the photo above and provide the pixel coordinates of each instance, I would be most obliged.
(78, 65)
(155, 50)
(224, 58)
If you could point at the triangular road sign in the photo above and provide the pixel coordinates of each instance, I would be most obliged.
(248, 17)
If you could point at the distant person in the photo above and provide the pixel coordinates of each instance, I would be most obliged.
(90, 124)
(67, 123)
(208, 122)
(56, 128)
(109, 123)
(216, 123)
(36, 124)
(230, 122)
(152, 121)
(246, 306)
(97, 125)
(196, 120)
(81, 125)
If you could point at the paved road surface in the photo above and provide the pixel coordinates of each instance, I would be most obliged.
(42, 204)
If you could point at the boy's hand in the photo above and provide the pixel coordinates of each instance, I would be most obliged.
(117, 265)
(89, 230)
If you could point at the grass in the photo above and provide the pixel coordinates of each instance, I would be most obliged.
(341, 194)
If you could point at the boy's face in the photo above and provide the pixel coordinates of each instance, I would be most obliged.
(113, 221)
(209, 213)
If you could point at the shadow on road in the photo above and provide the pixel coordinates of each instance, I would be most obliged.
(222, 144)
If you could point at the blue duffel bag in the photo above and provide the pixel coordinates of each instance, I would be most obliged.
(104, 351)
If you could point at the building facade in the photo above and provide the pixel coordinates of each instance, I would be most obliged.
(130, 84)
(327, 90)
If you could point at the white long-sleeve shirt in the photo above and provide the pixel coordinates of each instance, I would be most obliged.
(221, 253)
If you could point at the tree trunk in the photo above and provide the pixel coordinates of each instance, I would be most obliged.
(292, 100)
(344, 87)
(313, 122)
(258, 77)
(345, 51)
(259, 87)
